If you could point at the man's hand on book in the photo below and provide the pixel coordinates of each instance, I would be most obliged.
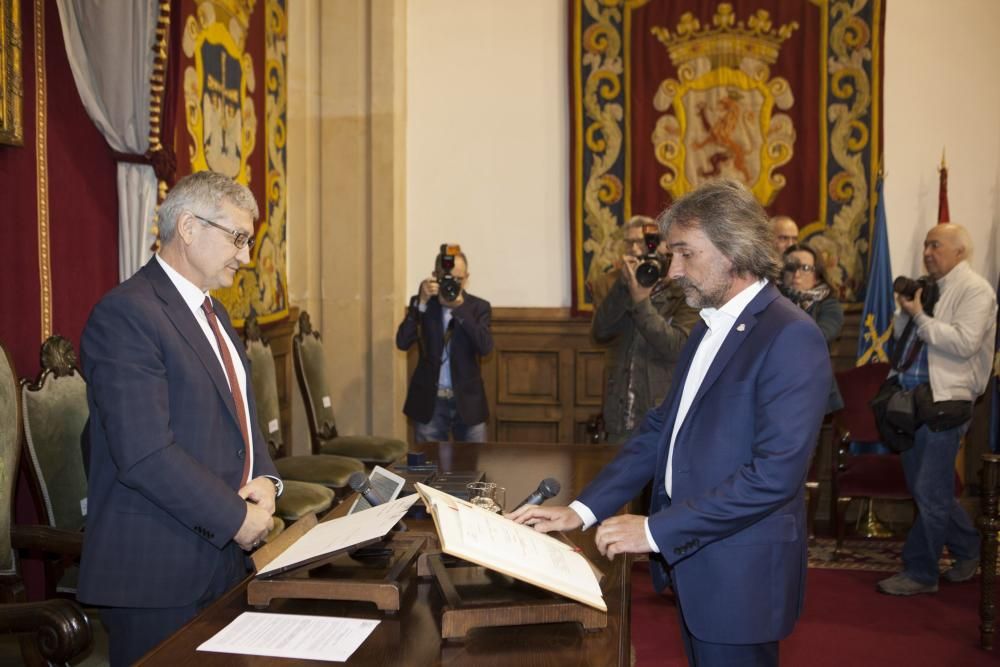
(546, 519)
(623, 534)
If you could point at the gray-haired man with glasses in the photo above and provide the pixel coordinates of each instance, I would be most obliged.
(181, 484)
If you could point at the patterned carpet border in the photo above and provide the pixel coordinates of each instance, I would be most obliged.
(874, 555)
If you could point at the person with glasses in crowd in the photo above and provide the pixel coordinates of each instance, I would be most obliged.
(803, 281)
(446, 397)
(180, 484)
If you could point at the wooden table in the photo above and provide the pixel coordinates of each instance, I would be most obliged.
(412, 636)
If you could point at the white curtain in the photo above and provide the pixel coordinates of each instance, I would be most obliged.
(110, 48)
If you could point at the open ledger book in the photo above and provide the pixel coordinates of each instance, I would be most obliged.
(490, 540)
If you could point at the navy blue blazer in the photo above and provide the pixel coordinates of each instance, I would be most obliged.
(471, 339)
(166, 451)
(734, 531)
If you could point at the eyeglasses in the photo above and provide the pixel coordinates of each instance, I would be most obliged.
(240, 239)
(805, 268)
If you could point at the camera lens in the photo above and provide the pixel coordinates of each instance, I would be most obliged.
(905, 286)
(450, 288)
(647, 273)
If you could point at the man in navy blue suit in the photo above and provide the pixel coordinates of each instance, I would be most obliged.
(728, 450)
(181, 485)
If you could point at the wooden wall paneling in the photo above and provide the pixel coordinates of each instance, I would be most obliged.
(528, 376)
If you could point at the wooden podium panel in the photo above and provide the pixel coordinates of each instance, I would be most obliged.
(412, 636)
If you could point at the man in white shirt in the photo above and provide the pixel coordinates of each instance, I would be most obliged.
(180, 481)
(728, 450)
(951, 351)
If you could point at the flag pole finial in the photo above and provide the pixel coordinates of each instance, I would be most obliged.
(943, 165)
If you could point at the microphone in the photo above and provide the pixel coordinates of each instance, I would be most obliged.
(360, 483)
(548, 488)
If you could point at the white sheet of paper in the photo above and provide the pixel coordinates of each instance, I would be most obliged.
(292, 636)
(343, 532)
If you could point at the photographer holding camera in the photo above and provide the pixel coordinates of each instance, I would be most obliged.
(946, 347)
(452, 328)
(646, 320)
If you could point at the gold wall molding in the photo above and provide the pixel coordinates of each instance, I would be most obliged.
(42, 173)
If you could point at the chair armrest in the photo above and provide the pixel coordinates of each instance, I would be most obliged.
(60, 627)
(47, 539)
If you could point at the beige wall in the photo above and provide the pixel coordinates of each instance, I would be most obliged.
(940, 92)
(347, 237)
(488, 144)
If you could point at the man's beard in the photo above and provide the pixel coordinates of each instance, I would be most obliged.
(712, 294)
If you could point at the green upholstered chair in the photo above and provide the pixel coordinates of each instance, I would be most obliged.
(49, 632)
(307, 353)
(310, 481)
(54, 410)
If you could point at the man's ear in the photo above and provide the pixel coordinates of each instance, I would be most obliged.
(185, 227)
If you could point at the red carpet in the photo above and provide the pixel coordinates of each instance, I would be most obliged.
(846, 623)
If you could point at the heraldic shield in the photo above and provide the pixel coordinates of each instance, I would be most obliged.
(723, 113)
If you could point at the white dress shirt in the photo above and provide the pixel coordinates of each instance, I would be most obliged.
(720, 322)
(194, 298)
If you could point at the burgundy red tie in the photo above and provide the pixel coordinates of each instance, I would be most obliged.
(234, 385)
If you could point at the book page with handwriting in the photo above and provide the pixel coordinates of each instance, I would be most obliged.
(493, 541)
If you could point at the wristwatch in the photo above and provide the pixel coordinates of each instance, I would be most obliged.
(279, 486)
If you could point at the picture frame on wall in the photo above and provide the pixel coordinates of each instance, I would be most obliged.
(11, 78)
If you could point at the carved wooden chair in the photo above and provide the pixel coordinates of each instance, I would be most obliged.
(54, 411)
(53, 631)
(307, 353)
(311, 480)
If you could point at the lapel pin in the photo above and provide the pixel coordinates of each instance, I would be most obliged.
(741, 327)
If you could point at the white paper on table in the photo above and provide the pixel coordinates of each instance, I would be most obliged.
(292, 636)
(343, 532)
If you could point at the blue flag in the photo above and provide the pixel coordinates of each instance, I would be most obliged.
(995, 414)
(875, 337)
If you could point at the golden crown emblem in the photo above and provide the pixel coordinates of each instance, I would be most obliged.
(727, 41)
(235, 9)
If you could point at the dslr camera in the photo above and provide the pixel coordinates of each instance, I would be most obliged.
(448, 285)
(651, 268)
(908, 287)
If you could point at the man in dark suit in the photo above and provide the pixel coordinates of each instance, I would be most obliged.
(728, 449)
(446, 394)
(180, 484)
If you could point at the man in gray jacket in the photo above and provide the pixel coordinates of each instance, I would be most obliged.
(646, 328)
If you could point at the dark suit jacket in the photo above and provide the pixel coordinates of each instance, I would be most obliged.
(734, 532)
(166, 452)
(471, 339)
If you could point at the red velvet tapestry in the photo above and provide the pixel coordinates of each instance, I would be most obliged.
(782, 95)
(59, 253)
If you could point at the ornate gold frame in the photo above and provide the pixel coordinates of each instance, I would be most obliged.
(11, 79)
